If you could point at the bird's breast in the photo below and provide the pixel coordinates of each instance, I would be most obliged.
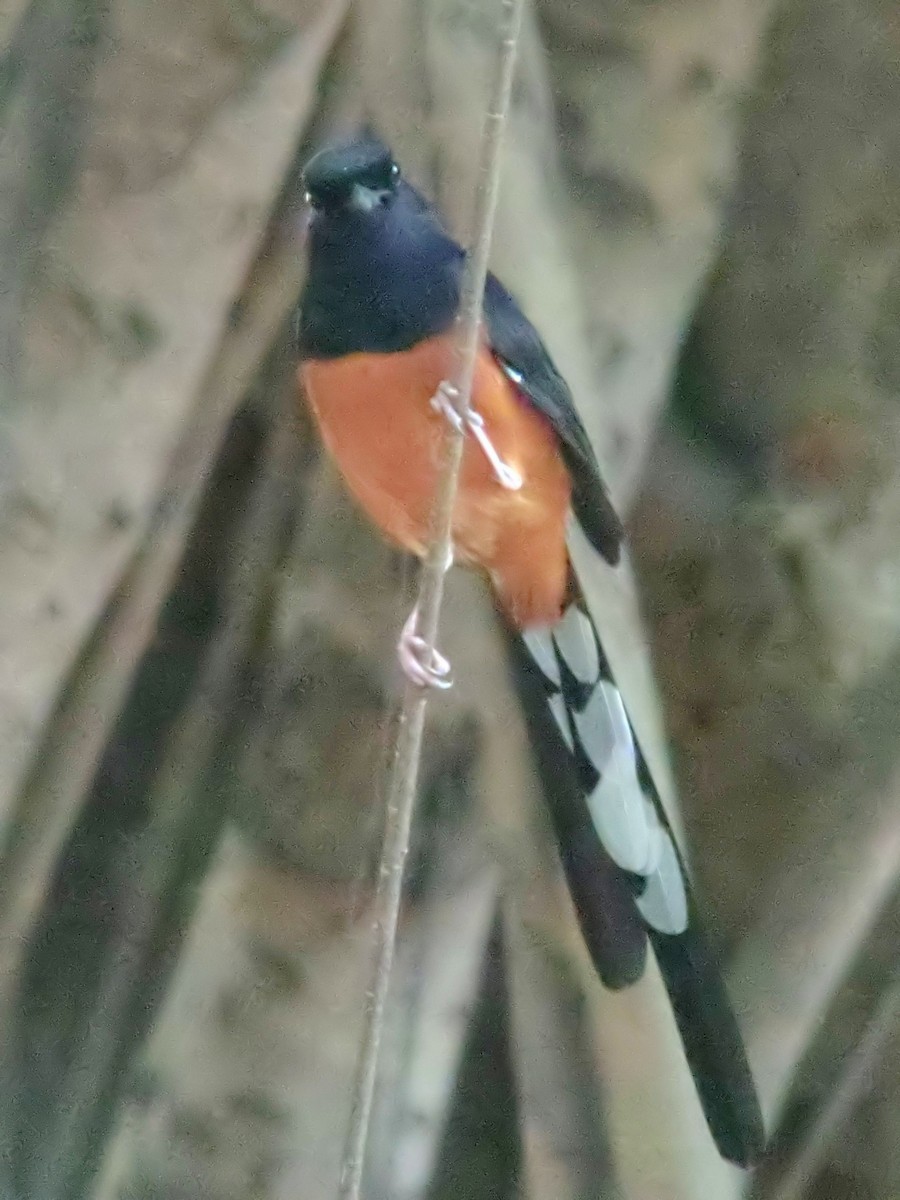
(376, 418)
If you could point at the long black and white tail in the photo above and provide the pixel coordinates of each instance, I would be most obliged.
(624, 871)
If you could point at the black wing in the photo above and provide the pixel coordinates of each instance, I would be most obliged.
(516, 344)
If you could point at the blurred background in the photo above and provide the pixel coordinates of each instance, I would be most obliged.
(701, 213)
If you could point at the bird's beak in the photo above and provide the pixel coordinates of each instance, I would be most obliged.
(364, 199)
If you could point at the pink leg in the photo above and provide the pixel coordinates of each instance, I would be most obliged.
(443, 402)
(412, 652)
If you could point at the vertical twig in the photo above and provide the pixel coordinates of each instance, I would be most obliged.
(68, 756)
(862, 1064)
(404, 777)
(92, 1079)
(789, 967)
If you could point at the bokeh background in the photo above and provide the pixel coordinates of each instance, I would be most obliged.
(701, 213)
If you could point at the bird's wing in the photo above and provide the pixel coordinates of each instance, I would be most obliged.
(524, 358)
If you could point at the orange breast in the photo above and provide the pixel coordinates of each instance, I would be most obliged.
(375, 417)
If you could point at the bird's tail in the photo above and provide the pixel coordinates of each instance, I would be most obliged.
(625, 873)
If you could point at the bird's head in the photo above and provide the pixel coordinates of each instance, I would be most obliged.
(353, 175)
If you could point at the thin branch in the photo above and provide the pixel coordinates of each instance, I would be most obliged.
(412, 721)
(79, 730)
(92, 1077)
(788, 968)
(849, 1089)
(567, 1150)
(65, 753)
(437, 984)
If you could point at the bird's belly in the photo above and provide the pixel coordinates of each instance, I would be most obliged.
(377, 421)
(375, 417)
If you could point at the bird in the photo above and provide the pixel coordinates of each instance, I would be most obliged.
(374, 334)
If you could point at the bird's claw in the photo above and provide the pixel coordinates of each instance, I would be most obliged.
(443, 402)
(421, 666)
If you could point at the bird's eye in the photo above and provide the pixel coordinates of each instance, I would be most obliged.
(395, 171)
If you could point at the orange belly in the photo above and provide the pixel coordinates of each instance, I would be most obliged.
(374, 414)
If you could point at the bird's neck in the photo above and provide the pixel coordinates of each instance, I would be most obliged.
(377, 282)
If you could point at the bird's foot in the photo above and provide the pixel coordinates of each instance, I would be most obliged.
(444, 402)
(421, 666)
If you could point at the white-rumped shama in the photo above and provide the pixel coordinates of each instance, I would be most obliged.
(375, 335)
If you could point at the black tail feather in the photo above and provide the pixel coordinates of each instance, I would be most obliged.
(712, 1044)
(614, 906)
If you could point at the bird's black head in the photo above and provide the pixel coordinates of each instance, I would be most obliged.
(382, 274)
(358, 174)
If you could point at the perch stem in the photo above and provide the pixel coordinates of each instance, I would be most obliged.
(404, 777)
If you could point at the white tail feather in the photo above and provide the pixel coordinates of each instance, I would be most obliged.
(591, 717)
